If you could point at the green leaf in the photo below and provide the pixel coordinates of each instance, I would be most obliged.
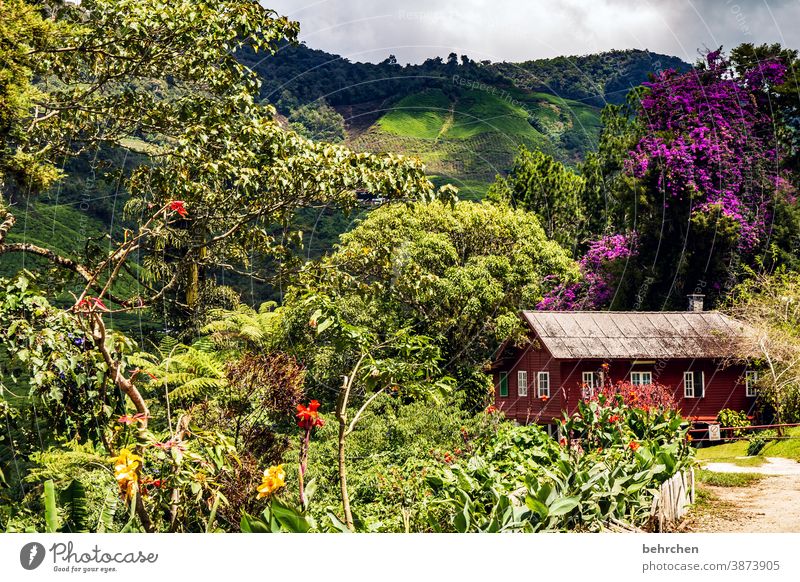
(337, 523)
(106, 521)
(290, 518)
(462, 518)
(250, 524)
(563, 506)
(50, 508)
(213, 516)
(537, 506)
(73, 498)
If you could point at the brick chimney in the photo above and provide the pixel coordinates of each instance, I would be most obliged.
(696, 302)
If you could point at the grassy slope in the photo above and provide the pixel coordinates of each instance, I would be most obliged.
(470, 136)
(728, 453)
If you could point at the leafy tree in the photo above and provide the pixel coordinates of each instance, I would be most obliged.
(692, 158)
(544, 186)
(770, 305)
(23, 32)
(457, 275)
(318, 121)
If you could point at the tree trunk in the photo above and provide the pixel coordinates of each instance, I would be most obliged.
(341, 414)
(348, 515)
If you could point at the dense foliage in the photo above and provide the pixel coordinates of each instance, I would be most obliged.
(358, 402)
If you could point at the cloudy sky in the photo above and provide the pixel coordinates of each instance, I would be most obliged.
(514, 30)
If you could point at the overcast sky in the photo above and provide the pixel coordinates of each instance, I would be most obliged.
(516, 30)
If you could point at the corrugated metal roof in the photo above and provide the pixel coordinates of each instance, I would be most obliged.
(639, 334)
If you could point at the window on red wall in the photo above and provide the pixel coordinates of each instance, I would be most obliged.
(641, 378)
(693, 384)
(543, 384)
(503, 384)
(522, 383)
(750, 381)
(590, 383)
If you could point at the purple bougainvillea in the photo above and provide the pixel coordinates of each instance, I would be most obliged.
(600, 268)
(708, 142)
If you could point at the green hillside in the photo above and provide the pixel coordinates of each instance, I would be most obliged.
(468, 136)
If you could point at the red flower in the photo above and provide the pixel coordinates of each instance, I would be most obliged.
(543, 398)
(633, 445)
(563, 442)
(491, 409)
(88, 303)
(308, 417)
(179, 207)
(613, 418)
(171, 443)
(447, 458)
(128, 419)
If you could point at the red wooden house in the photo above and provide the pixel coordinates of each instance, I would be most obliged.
(697, 353)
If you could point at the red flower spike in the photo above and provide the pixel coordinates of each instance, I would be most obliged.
(179, 207)
(308, 416)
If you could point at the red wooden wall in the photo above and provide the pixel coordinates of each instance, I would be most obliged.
(724, 385)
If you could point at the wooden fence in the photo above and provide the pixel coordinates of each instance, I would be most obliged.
(674, 499)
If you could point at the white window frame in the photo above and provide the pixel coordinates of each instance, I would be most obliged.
(689, 386)
(750, 379)
(641, 375)
(522, 383)
(590, 382)
(546, 392)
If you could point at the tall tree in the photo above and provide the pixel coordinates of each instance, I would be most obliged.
(544, 186)
(457, 275)
(692, 165)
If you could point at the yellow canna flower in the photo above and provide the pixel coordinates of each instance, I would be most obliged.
(274, 478)
(126, 471)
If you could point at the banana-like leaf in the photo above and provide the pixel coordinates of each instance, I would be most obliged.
(50, 507)
(73, 499)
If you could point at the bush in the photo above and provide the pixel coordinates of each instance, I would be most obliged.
(758, 441)
(731, 418)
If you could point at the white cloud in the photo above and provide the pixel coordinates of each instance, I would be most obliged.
(514, 30)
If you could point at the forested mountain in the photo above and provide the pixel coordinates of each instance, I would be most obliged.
(465, 119)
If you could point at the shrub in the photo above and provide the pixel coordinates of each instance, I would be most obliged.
(731, 418)
(758, 441)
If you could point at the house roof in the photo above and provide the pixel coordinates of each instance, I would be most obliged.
(639, 334)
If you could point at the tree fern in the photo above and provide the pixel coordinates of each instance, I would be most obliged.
(186, 373)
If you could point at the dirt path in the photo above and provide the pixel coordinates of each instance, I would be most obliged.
(769, 505)
(771, 466)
